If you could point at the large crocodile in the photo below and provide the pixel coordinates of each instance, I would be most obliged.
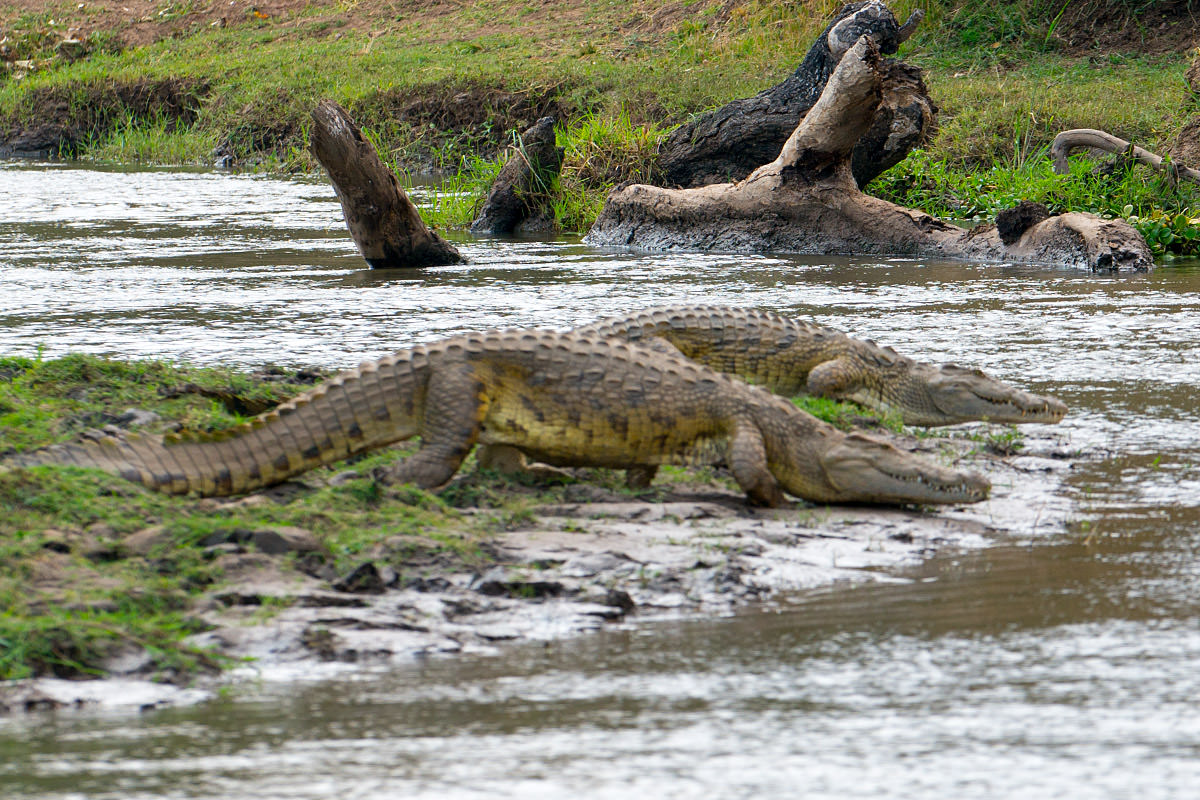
(565, 398)
(793, 357)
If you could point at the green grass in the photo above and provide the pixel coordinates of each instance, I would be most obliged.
(42, 402)
(990, 114)
(848, 416)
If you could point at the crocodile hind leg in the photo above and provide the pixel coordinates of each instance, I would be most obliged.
(747, 460)
(454, 410)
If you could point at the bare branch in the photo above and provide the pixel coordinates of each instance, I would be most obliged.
(1067, 141)
(910, 25)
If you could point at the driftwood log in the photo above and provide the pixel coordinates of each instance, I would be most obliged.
(807, 201)
(1067, 141)
(727, 144)
(512, 203)
(383, 222)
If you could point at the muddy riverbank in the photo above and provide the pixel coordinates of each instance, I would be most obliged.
(596, 559)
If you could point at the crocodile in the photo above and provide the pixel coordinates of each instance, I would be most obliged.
(793, 357)
(563, 398)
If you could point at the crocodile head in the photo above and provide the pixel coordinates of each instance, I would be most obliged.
(929, 395)
(860, 468)
(957, 394)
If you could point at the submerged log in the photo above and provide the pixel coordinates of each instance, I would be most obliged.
(807, 201)
(383, 222)
(729, 143)
(512, 203)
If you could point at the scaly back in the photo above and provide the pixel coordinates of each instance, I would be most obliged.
(761, 347)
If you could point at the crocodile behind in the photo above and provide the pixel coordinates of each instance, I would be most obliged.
(793, 357)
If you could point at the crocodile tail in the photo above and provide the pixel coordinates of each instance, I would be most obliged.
(355, 411)
(141, 459)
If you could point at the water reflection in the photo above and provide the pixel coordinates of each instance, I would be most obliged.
(1062, 664)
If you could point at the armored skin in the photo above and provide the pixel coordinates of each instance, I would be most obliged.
(569, 399)
(791, 357)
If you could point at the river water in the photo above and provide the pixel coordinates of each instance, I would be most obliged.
(1064, 662)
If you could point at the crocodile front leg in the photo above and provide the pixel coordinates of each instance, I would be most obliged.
(747, 460)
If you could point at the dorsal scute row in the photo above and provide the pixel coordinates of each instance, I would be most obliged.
(883, 356)
(687, 316)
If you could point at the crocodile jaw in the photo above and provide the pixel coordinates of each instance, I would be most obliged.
(957, 394)
(863, 469)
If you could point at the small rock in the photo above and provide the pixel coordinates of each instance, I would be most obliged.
(665, 600)
(591, 564)
(58, 541)
(223, 549)
(342, 478)
(365, 579)
(389, 576)
(498, 583)
(315, 564)
(216, 538)
(284, 539)
(773, 536)
(603, 611)
(103, 552)
(24, 696)
(273, 541)
(321, 641)
(137, 416)
(249, 501)
(71, 49)
(100, 530)
(497, 633)
(128, 661)
(434, 584)
(618, 598)
(147, 539)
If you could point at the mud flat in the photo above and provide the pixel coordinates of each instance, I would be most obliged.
(598, 559)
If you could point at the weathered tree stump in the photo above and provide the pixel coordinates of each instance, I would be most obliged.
(517, 199)
(383, 222)
(729, 143)
(807, 201)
